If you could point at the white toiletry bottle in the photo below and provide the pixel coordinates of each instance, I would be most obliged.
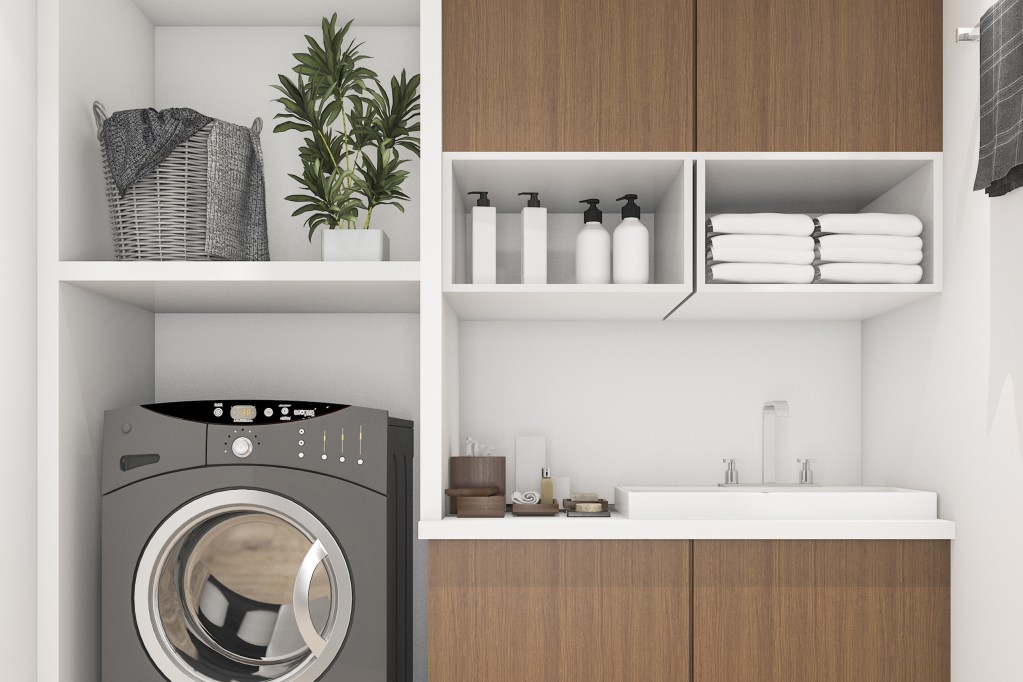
(631, 246)
(592, 248)
(484, 241)
(534, 240)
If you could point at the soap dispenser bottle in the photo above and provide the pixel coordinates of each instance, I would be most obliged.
(631, 246)
(546, 486)
(534, 240)
(484, 240)
(593, 248)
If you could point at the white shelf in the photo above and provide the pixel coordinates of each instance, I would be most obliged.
(617, 527)
(247, 287)
(788, 302)
(564, 301)
(278, 12)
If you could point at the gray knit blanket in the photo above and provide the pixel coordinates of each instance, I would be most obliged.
(236, 208)
(1000, 168)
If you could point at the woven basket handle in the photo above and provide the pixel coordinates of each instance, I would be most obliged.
(257, 126)
(99, 112)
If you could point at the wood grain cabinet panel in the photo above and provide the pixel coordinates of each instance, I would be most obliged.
(568, 75)
(819, 75)
(821, 611)
(550, 611)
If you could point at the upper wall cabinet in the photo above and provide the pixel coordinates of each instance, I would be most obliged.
(569, 75)
(818, 75)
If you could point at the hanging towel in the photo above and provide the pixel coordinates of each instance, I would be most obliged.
(761, 241)
(236, 206)
(760, 273)
(137, 140)
(853, 254)
(796, 225)
(871, 241)
(1000, 166)
(902, 225)
(868, 273)
(740, 254)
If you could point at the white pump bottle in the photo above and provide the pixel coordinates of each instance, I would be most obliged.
(631, 246)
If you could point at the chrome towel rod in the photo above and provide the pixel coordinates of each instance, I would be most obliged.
(967, 34)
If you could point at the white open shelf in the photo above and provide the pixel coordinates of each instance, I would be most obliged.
(815, 183)
(248, 287)
(664, 184)
(277, 13)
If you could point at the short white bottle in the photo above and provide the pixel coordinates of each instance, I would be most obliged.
(484, 241)
(592, 248)
(534, 240)
(631, 260)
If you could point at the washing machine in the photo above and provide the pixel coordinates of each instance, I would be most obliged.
(255, 541)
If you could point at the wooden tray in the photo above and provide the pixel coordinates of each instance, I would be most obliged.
(535, 509)
(471, 492)
(570, 505)
(480, 507)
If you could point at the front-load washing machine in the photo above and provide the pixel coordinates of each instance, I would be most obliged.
(256, 540)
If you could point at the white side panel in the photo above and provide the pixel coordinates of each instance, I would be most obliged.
(191, 66)
(106, 362)
(672, 242)
(450, 399)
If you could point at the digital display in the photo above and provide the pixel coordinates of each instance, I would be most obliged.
(240, 412)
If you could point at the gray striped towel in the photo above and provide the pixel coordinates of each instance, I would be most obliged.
(1000, 168)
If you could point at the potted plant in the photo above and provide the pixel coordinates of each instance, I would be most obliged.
(357, 130)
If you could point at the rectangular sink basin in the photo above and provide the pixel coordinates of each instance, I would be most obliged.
(775, 503)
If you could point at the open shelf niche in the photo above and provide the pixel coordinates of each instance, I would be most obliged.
(664, 184)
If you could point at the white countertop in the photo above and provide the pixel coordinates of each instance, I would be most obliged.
(617, 527)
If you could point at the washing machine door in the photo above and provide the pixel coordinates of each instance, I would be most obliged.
(243, 585)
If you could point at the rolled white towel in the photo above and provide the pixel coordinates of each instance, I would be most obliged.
(854, 254)
(529, 497)
(868, 273)
(902, 225)
(761, 241)
(793, 224)
(740, 254)
(760, 273)
(872, 241)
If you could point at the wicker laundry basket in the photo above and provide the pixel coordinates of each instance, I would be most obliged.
(163, 216)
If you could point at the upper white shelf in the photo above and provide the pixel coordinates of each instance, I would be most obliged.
(278, 12)
(247, 287)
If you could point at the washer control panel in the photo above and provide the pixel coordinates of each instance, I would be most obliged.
(245, 411)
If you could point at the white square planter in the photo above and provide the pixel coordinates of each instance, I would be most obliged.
(357, 244)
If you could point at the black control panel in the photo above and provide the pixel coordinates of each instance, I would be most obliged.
(255, 412)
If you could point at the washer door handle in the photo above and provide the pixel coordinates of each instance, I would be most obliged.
(303, 584)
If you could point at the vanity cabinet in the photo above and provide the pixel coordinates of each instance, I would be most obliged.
(818, 75)
(565, 75)
(822, 610)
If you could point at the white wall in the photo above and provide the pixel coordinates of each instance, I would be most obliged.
(18, 341)
(370, 360)
(941, 409)
(647, 403)
(192, 67)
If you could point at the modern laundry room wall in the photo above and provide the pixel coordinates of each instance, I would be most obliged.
(369, 360)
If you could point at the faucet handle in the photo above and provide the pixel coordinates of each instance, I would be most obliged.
(805, 472)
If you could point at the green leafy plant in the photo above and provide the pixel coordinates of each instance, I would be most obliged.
(357, 130)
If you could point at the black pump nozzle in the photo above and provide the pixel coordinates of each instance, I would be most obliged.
(630, 209)
(483, 200)
(592, 214)
(534, 198)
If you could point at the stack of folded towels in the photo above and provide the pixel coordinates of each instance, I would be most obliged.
(760, 248)
(869, 248)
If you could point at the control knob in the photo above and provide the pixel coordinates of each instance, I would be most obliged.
(241, 447)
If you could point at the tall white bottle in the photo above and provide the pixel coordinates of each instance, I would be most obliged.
(534, 240)
(484, 241)
(592, 248)
(631, 246)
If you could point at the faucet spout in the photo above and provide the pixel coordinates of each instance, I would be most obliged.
(772, 410)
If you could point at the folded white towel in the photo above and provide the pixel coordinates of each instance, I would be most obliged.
(872, 241)
(741, 254)
(761, 241)
(530, 497)
(760, 273)
(854, 254)
(796, 225)
(869, 273)
(903, 225)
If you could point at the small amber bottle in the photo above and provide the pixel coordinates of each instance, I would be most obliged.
(546, 486)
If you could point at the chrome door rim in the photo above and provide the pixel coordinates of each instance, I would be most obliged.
(184, 520)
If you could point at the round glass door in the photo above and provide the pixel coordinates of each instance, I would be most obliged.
(242, 586)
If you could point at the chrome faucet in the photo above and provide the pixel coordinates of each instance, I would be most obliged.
(772, 410)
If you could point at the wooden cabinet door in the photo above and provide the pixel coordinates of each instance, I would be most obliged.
(821, 611)
(818, 75)
(557, 610)
(568, 75)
